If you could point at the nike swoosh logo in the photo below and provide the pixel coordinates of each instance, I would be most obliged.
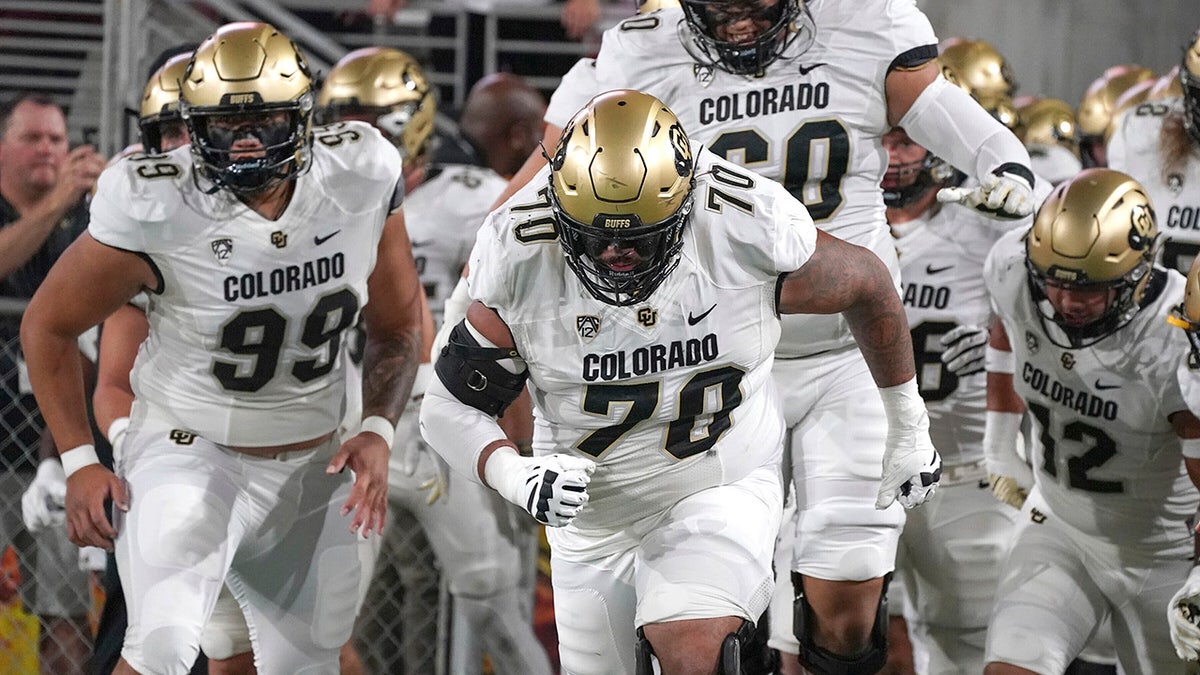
(930, 269)
(418, 243)
(804, 70)
(321, 240)
(1105, 387)
(693, 320)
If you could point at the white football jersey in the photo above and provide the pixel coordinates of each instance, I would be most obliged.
(248, 322)
(812, 122)
(442, 215)
(670, 396)
(941, 265)
(1107, 460)
(1134, 149)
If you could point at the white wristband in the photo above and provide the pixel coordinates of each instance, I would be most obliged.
(380, 426)
(78, 457)
(1191, 448)
(117, 429)
(999, 361)
(504, 472)
(903, 405)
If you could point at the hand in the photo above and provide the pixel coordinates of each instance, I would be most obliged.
(965, 347)
(1004, 194)
(1008, 472)
(552, 488)
(416, 452)
(87, 522)
(44, 503)
(367, 456)
(911, 465)
(1008, 490)
(77, 176)
(578, 17)
(1183, 615)
(911, 470)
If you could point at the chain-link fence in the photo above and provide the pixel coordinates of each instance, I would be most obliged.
(48, 603)
(403, 626)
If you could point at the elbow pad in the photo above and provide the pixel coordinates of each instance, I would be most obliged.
(474, 374)
(952, 125)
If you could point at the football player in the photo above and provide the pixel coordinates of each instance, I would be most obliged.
(1081, 344)
(1048, 131)
(952, 548)
(1184, 609)
(446, 205)
(981, 71)
(258, 244)
(802, 93)
(636, 283)
(1157, 143)
(1095, 113)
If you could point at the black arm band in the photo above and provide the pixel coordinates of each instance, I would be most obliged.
(472, 373)
(914, 58)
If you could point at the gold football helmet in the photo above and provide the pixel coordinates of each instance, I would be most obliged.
(246, 85)
(978, 69)
(160, 102)
(647, 6)
(781, 24)
(1097, 109)
(1186, 314)
(1048, 121)
(1096, 231)
(1167, 86)
(387, 88)
(621, 192)
(1189, 80)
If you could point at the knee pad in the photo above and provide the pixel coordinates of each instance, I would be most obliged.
(757, 656)
(729, 659)
(644, 664)
(824, 662)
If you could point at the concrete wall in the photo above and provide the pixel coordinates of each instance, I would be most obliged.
(1057, 47)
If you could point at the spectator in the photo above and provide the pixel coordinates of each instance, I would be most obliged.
(42, 210)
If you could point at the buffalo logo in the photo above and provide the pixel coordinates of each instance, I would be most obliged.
(560, 153)
(704, 74)
(279, 239)
(222, 249)
(683, 151)
(1068, 360)
(588, 326)
(1031, 342)
(181, 437)
(1175, 183)
(647, 316)
(1141, 231)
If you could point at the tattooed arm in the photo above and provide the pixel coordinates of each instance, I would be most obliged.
(842, 277)
(394, 319)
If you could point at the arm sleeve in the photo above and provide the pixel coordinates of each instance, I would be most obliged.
(455, 430)
(954, 127)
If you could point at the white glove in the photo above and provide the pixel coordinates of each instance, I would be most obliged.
(1008, 472)
(1004, 195)
(552, 488)
(1183, 615)
(415, 450)
(965, 349)
(911, 465)
(44, 503)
